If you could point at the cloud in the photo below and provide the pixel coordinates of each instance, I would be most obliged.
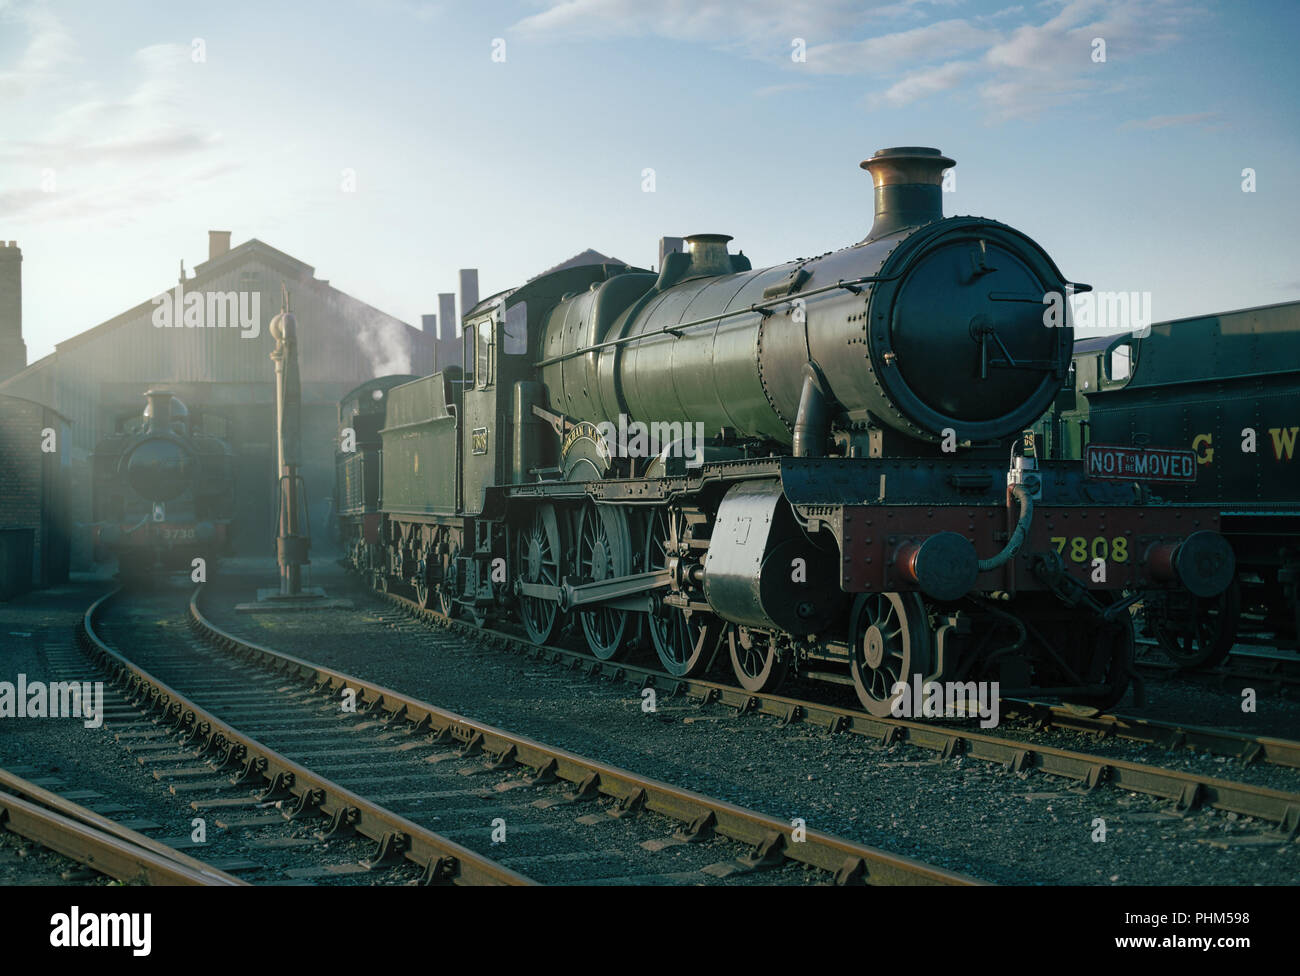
(421, 10)
(1168, 121)
(919, 84)
(889, 52)
(49, 47)
(1038, 67)
(756, 25)
(1011, 70)
(781, 89)
(102, 151)
(914, 8)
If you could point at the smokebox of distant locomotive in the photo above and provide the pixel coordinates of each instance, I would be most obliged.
(163, 491)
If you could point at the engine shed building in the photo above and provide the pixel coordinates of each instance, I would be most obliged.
(34, 480)
(214, 354)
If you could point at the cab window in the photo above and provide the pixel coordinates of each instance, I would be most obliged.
(483, 357)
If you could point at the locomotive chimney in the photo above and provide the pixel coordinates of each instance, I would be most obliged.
(158, 411)
(908, 184)
(709, 254)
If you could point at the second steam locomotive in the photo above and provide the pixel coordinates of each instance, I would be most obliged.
(164, 492)
(1237, 431)
(818, 466)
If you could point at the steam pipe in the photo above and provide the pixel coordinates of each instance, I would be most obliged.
(1018, 536)
(812, 425)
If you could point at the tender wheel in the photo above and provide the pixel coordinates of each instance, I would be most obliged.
(756, 661)
(444, 593)
(890, 642)
(423, 590)
(685, 641)
(604, 551)
(539, 562)
(1201, 634)
(444, 601)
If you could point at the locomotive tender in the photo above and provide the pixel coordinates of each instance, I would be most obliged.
(356, 464)
(163, 493)
(862, 509)
(1240, 425)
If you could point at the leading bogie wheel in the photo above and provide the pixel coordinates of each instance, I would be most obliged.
(756, 659)
(891, 644)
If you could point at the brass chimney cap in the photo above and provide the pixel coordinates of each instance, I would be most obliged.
(907, 165)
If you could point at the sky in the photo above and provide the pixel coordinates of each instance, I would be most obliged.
(390, 143)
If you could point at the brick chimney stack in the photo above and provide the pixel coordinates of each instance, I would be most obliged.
(447, 347)
(218, 243)
(468, 289)
(13, 351)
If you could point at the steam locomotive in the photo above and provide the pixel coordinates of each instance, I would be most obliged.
(1240, 425)
(163, 492)
(356, 465)
(818, 466)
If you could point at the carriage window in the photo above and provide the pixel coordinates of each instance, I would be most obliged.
(483, 360)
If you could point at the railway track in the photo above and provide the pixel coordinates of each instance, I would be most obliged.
(1188, 790)
(402, 765)
(1172, 736)
(1268, 671)
(235, 772)
(103, 845)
